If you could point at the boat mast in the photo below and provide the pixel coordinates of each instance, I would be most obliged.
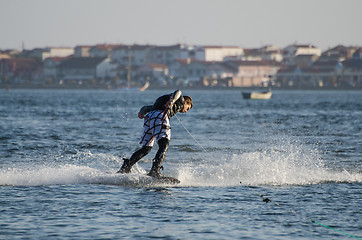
(129, 73)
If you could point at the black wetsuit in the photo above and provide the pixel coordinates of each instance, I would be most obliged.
(160, 104)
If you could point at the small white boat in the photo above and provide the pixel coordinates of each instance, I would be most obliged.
(144, 87)
(257, 95)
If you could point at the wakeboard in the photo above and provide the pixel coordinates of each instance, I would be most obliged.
(143, 179)
(165, 180)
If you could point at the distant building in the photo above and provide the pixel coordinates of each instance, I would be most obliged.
(357, 54)
(192, 72)
(291, 51)
(212, 53)
(103, 50)
(177, 70)
(5, 55)
(305, 60)
(352, 73)
(79, 70)
(58, 52)
(106, 69)
(43, 53)
(186, 65)
(82, 51)
(155, 73)
(196, 71)
(267, 53)
(253, 73)
(134, 55)
(165, 54)
(319, 74)
(271, 53)
(338, 53)
(20, 71)
(10, 52)
(334, 68)
(50, 71)
(252, 54)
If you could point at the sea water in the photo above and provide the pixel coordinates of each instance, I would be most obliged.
(285, 168)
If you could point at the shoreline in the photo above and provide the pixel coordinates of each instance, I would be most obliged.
(103, 87)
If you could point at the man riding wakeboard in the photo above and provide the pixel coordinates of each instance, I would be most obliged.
(157, 126)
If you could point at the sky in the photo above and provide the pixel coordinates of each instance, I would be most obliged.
(247, 24)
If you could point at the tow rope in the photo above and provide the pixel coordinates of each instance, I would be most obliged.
(266, 200)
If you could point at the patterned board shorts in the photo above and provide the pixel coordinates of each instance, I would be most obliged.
(155, 126)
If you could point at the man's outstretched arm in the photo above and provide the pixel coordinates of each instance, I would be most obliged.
(144, 110)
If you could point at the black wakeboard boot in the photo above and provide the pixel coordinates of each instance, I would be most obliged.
(128, 163)
(126, 167)
(160, 156)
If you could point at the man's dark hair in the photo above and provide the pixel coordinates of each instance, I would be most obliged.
(188, 100)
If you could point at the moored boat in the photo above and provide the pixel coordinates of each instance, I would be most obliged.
(257, 95)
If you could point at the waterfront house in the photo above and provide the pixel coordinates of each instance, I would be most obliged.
(4, 55)
(43, 53)
(253, 73)
(156, 73)
(352, 73)
(177, 70)
(79, 70)
(106, 69)
(20, 71)
(357, 54)
(132, 55)
(193, 72)
(57, 52)
(165, 54)
(319, 74)
(268, 53)
(103, 50)
(215, 53)
(50, 66)
(305, 60)
(291, 51)
(338, 53)
(82, 51)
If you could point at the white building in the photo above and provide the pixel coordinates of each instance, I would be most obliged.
(57, 52)
(166, 54)
(135, 55)
(50, 67)
(211, 53)
(291, 51)
(44, 53)
(217, 53)
(82, 51)
(106, 69)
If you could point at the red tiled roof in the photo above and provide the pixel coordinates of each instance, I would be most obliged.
(24, 64)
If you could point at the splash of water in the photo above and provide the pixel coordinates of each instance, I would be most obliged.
(282, 164)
